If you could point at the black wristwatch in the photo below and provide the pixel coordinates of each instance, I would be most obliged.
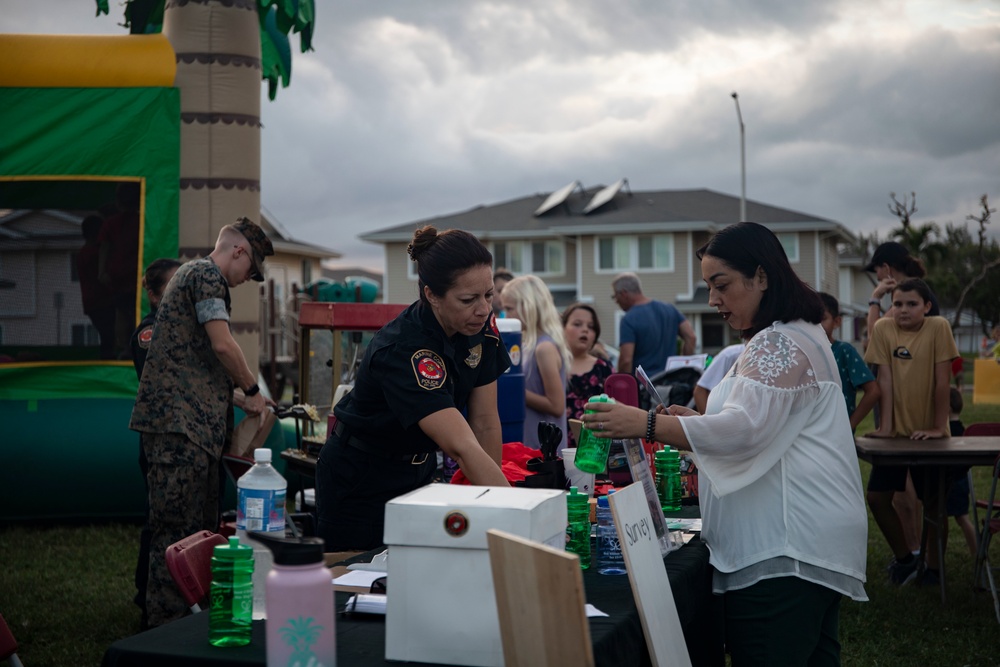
(252, 391)
(875, 302)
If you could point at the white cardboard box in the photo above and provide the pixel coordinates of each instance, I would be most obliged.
(441, 606)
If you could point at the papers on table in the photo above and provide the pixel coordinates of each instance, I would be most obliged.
(359, 578)
(379, 563)
(593, 611)
(371, 603)
(687, 525)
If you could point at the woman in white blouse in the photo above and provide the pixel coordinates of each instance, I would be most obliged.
(780, 490)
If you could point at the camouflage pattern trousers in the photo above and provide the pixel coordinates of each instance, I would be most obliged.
(183, 499)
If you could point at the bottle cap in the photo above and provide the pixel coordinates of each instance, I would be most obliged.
(576, 498)
(508, 324)
(603, 500)
(233, 551)
(291, 550)
(262, 455)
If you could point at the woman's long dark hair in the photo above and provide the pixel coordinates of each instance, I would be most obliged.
(748, 246)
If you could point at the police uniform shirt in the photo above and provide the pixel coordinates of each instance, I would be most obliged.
(411, 370)
(184, 387)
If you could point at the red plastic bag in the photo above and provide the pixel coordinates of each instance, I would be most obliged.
(514, 463)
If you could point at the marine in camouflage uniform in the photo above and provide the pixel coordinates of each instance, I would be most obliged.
(184, 409)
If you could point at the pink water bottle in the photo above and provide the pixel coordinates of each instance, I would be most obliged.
(300, 621)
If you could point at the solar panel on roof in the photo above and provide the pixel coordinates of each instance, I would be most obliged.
(556, 198)
(604, 195)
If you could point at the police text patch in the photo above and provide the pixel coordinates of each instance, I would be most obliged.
(429, 369)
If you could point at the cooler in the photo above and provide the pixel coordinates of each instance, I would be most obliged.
(510, 385)
(441, 606)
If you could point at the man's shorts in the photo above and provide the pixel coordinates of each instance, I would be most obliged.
(887, 478)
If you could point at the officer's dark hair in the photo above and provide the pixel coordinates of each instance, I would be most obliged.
(441, 256)
(155, 278)
(914, 285)
(747, 247)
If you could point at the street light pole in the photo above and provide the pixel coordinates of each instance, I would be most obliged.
(743, 161)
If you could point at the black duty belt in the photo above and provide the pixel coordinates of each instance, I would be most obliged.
(344, 433)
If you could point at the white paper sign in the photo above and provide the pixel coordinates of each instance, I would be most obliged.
(648, 576)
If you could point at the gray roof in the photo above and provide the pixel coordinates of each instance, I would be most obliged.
(627, 212)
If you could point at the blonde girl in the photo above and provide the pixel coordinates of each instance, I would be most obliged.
(546, 357)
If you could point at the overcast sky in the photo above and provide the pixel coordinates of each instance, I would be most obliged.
(409, 109)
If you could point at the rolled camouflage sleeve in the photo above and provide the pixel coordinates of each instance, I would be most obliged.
(209, 296)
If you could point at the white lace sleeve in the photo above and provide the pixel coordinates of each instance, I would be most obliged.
(766, 408)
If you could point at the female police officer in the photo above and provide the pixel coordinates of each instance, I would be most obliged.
(441, 356)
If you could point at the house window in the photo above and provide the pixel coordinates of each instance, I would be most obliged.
(84, 335)
(790, 242)
(647, 252)
(535, 257)
(307, 271)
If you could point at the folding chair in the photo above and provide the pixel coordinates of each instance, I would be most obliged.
(991, 521)
(540, 603)
(190, 564)
(8, 645)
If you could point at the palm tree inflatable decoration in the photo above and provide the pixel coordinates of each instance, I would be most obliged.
(275, 18)
(220, 45)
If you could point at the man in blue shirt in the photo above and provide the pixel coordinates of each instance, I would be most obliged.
(649, 330)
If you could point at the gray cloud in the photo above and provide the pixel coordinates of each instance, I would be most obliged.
(409, 110)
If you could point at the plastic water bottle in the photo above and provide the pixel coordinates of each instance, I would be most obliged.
(610, 559)
(578, 526)
(260, 507)
(592, 452)
(668, 479)
(672, 497)
(231, 594)
(300, 626)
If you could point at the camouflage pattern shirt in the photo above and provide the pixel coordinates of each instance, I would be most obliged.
(184, 387)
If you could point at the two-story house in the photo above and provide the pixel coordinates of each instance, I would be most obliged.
(577, 239)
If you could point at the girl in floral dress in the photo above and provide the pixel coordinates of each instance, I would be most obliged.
(587, 371)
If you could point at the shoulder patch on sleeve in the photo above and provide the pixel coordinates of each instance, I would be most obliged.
(429, 369)
(145, 336)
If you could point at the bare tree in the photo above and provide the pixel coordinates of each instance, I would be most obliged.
(983, 219)
(902, 209)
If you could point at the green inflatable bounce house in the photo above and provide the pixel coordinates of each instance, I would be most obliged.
(91, 130)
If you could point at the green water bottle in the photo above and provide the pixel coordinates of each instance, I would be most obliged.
(231, 594)
(671, 498)
(592, 452)
(578, 526)
(662, 468)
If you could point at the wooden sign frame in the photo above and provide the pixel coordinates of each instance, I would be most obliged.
(650, 586)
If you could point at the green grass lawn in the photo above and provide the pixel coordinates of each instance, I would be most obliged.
(66, 592)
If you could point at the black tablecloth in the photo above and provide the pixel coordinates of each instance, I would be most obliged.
(618, 639)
